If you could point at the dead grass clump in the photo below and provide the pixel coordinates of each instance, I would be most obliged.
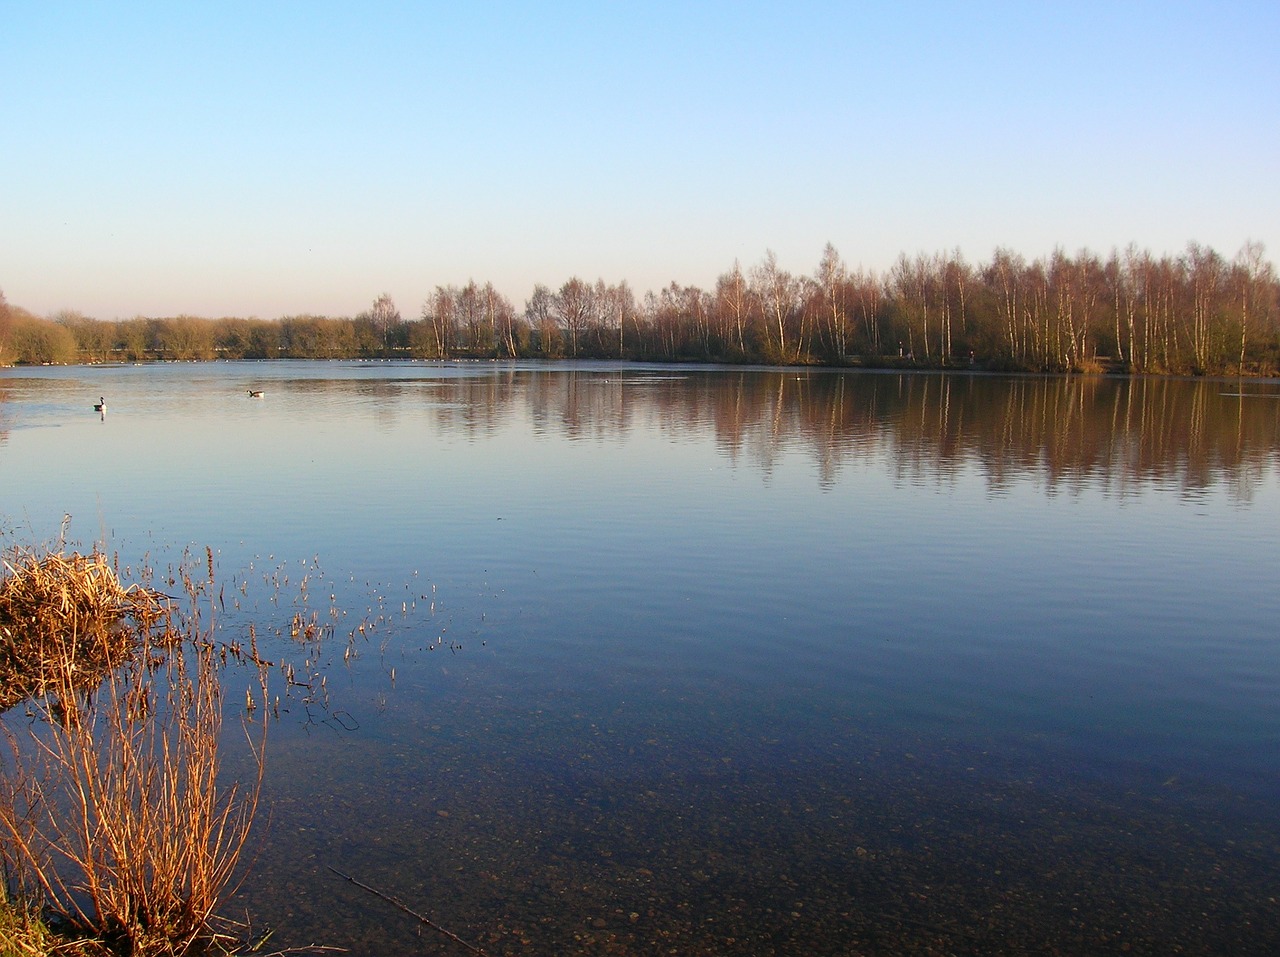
(112, 808)
(1090, 365)
(25, 933)
(66, 615)
(21, 930)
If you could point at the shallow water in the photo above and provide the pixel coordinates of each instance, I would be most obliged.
(688, 660)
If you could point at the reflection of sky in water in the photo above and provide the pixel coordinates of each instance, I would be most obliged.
(753, 555)
(627, 502)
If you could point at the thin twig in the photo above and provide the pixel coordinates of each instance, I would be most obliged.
(408, 910)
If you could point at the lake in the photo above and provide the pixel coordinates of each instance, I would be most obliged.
(633, 659)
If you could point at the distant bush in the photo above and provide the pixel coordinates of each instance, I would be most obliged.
(34, 341)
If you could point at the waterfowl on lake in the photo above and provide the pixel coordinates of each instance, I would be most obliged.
(256, 393)
(100, 405)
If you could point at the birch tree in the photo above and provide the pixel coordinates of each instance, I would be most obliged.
(385, 318)
(539, 313)
(832, 284)
(778, 293)
(734, 306)
(1255, 289)
(572, 306)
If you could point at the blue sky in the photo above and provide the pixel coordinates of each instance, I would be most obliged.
(276, 158)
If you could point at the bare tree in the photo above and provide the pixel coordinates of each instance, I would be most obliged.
(385, 317)
(914, 286)
(5, 329)
(665, 320)
(1004, 276)
(185, 337)
(574, 306)
(832, 283)
(1207, 274)
(615, 307)
(779, 294)
(1255, 282)
(539, 313)
(93, 338)
(441, 311)
(501, 316)
(471, 318)
(734, 305)
(6, 325)
(955, 281)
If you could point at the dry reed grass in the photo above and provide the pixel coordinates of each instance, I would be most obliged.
(22, 932)
(111, 807)
(65, 611)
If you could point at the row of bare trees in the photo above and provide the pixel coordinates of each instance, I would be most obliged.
(1196, 312)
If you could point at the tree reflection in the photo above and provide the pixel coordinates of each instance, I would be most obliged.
(1121, 434)
(5, 388)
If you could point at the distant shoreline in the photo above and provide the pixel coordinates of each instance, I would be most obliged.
(1194, 314)
(1105, 367)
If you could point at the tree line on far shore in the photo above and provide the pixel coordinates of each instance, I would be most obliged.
(1193, 313)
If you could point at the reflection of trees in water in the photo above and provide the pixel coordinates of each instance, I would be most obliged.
(1067, 432)
(4, 418)
(1119, 433)
(1123, 433)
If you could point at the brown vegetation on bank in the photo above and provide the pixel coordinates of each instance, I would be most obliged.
(112, 814)
(65, 615)
(1131, 311)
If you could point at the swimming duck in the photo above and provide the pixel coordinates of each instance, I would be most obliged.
(256, 393)
(100, 405)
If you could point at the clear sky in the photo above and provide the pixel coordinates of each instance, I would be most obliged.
(272, 158)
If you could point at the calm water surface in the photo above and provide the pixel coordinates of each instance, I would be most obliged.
(657, 660)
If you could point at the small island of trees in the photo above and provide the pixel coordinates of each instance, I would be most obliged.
(1193, 313)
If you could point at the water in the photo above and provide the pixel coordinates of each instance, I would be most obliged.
(717, 661)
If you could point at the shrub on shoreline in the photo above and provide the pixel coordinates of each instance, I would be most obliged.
(112, 814)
